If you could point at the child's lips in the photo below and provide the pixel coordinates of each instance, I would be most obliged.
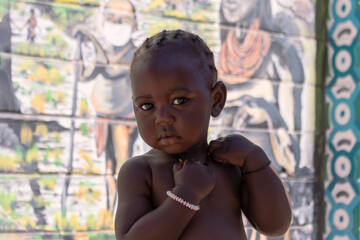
(168, 140)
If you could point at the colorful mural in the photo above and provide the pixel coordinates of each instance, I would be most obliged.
(343, 125)
(66, 118)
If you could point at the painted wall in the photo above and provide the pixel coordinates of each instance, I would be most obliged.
(66, 120)
(342, 182)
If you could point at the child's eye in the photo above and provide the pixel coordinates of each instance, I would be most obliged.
(179, 101)
(146, 106)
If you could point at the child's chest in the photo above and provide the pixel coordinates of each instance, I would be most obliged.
(219, 211)
(225, 195)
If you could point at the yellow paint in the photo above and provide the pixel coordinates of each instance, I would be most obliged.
(105, 219)
(41, 130)
(81, 236)
(67, 1)
(26, 134)
(42, 52)
(54, 76)
(25, 65)
(91, 222)
(198, 16)
(48, 183)
(87, 195)
(56, 136)
(38, 103)
(84, 109)
(155, 4)
(8, 163)
(55, 153)
(41, 74)
(176, 14)
(32, 77)
(155, 28)
(60, 97)
(74, 222)
(89, 167)
(27, 221)
(32, 155)
(59, 222)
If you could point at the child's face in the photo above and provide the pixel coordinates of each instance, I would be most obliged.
(172, 104)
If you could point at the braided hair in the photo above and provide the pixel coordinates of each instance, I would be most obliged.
(180, 41)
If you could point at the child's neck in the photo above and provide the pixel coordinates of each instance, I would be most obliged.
(198, 154)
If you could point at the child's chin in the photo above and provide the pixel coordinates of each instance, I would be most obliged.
(171, 150)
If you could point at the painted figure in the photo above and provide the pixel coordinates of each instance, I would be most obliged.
(31, 24)
(263, 70)
(101, 53)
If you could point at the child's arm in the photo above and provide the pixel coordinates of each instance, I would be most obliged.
(265, 201)
(135, 216)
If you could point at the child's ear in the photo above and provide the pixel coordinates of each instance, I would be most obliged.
(218, 94)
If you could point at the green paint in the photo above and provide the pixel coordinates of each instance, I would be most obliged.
(37, 238)
(58, 162)
(48, 183)
(357, 109)
(356, 220)
(101, 236)
(84, 129)
(19, 153)
(38, 202)
(4, 8)
(357, 157)
(91, 222)
(357, 64)
(6, 200)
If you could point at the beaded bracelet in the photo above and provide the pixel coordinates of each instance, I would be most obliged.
(257, 170)
(182, 201)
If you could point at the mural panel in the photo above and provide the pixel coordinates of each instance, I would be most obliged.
(193, 10)
(34, 146)
(35, 32)
(294, 17)
(43, 86)
(30, 203)
(62, 202)
(66, 119)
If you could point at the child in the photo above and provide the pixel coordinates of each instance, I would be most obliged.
(184, 188)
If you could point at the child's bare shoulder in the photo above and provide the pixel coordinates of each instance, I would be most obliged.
(135, 169)
(139, 167)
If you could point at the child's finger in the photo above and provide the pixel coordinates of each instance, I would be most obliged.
(214, 144)
(218, 148)
(177, 167)
(217, 158)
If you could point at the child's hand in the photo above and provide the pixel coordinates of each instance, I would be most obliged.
(195, 176)
(233, 149)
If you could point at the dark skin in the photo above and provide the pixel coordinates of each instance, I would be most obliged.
(173, 103)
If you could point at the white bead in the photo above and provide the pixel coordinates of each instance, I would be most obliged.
(182, 201)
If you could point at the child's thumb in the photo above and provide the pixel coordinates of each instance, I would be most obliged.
(177, 167)
(215, 144)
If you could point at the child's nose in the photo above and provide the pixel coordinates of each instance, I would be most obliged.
(164, 116)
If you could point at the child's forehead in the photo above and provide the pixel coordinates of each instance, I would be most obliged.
(176, 70)
(182, 55)
(171, 74)
(165, 61)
